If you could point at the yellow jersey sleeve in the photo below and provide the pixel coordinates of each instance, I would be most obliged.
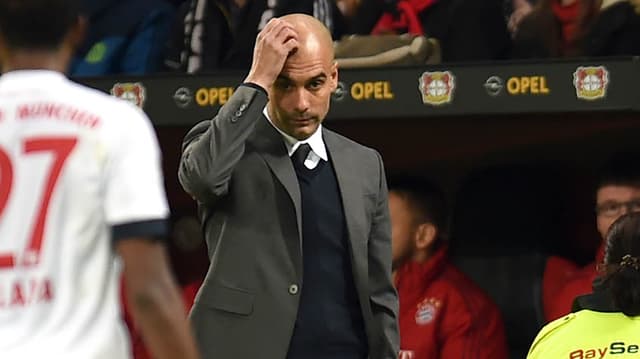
(537, 348)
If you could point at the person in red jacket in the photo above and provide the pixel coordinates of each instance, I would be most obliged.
(617, 193)
(443, 314)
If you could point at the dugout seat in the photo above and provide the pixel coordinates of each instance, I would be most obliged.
(505, 222)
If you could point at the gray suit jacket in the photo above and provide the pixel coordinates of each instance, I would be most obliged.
(236, 166)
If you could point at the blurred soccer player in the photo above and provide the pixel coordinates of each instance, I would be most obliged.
(80, 181)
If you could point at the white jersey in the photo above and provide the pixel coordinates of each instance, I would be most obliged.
(76, 165)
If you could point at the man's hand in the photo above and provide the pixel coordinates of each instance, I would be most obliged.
(274, 44)
(521, 8)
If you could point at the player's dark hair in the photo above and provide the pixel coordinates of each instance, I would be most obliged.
(622, 263)
(37, 24)
(621, 169)
(425, 197)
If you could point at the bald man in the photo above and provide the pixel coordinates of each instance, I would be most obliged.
(295, 216)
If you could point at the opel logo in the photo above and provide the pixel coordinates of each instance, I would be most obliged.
(338, 94)
(182, 97)
(494, 85)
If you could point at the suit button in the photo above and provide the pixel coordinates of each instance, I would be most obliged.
(238, 113)
(293, 289)
(234, 119)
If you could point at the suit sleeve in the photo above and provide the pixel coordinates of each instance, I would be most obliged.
(212, 148)
(384, 299)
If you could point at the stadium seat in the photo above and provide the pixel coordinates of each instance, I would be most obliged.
(505, 222)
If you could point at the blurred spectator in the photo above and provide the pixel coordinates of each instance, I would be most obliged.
(443, 314)
(515, 11)
(566, 28)
(468, 30)
(605, 322)
(616, 31)
(220, 34)
(125, 37)
(617, 193)
(555, 28)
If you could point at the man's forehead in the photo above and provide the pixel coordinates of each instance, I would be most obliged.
(296, 75)
(303, 74)
(614, 192)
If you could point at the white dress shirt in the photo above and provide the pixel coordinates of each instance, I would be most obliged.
(315, 141)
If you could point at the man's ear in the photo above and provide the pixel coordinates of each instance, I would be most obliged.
(425, 236)
(3, 52)
(78, 32)
(334, 76)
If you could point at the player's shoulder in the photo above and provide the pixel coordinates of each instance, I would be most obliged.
(551, 331)
(115, 112)
(558, 324)
(101, 98)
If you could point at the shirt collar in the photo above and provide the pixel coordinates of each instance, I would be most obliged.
(599, 300)
(20, 77)
(420, 275)
(315, 141)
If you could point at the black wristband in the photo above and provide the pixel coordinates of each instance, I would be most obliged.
(156, 229)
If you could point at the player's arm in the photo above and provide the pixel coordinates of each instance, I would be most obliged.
(154, 299)
(136, 208)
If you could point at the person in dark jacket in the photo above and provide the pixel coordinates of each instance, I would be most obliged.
(570, 28)
(467, 30)
(209, 35)
(616, 31)
(125, 37)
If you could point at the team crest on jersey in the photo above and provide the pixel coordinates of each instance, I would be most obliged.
(133, 92)
(591, 82)
(437, 87)
(427, 310)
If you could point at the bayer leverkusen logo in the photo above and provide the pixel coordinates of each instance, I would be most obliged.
(437, 87)
(132, 92)
(591, 82)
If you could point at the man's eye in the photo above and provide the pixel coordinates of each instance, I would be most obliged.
(609, 208)
(635, 205)
(316, 84)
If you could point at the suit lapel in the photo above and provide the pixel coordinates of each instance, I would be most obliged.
(273, 150)
(350, 184)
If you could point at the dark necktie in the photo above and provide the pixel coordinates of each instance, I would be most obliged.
(300, 155)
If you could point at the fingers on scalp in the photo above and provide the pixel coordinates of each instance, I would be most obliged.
(270, 28)
(285, 32)
(290, 44)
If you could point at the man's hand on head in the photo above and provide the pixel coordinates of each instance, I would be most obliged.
(275, 42)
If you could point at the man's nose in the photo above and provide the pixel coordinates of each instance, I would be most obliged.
(301, 101)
